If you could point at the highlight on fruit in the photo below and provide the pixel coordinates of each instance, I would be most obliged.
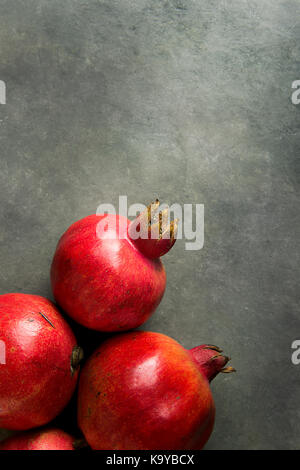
(2, 352)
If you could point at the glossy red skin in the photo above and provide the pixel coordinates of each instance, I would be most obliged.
(142, 391)
(104, 284)
(50, 439)
(36, 381)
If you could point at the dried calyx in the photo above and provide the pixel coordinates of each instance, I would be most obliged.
(76, 359)
(152, 232)
(210, 360)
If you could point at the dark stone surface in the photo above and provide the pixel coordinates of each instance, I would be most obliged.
(190, 101)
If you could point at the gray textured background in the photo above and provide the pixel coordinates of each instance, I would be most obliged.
(189, 101)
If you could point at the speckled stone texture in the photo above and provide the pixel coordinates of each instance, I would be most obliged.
(188, 100)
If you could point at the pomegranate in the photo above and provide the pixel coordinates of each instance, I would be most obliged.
(49, 439)
(39, 373)
(113, 281)
(144, 391)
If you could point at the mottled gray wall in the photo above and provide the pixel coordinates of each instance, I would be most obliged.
(188, 100)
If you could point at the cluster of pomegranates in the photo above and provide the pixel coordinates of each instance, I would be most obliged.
(138, 390)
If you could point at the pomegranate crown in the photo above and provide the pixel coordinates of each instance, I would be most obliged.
(210, 360)
(152, 232)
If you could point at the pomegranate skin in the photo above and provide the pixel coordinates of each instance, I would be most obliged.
(36, 382)
(50, 439)
(105, 284)
(143, 391)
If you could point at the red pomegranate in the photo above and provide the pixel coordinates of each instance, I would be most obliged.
(39, 361)
(143, 391)
(106, 272)
(49, 439)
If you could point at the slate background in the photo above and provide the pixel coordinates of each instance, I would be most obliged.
(189, 101)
